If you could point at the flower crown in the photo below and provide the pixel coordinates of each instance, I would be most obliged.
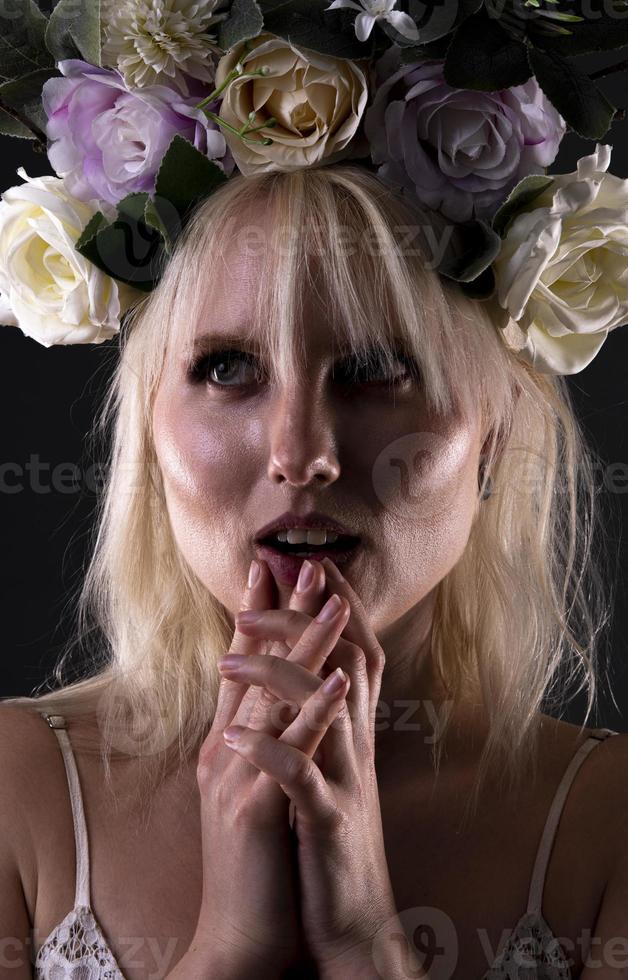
(145, 107)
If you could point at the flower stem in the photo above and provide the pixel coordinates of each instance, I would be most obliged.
(245, 129)
(602, 72)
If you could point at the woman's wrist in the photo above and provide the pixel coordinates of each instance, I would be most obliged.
(383, 956)
(214, 959)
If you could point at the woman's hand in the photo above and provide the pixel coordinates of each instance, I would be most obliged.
(346, 892)
(249, 921)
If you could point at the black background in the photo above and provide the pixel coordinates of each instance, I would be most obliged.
(49, 397)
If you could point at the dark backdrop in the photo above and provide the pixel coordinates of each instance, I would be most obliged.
(49, 396)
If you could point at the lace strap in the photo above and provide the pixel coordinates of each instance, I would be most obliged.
(535, 896)
(58, 725)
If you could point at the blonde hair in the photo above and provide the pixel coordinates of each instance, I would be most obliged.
(516, 620)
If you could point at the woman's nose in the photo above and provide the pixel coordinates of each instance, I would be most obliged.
(302, 441)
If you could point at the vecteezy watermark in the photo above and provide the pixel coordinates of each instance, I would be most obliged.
(424, 941)
(40, 477)
(397, 473)
(399, 715)
(423, 240)
(155, 956)
(401, 475)
(401, 471)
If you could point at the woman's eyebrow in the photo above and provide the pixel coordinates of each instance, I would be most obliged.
(217, 340)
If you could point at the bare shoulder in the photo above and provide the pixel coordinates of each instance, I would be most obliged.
(26, 758)
(600, 791)
(29, 759)
(34, 804)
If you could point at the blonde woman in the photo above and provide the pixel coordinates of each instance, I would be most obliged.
(425, 817)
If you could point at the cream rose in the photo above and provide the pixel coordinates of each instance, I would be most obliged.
(47, 288)
(562, 272)
(317, 100)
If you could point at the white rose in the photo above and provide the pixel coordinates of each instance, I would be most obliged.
(50, 291)
(562, 272)
(317, 100)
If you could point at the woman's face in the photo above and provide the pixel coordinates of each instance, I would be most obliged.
(236, 453)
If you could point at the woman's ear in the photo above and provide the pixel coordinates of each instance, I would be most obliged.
(503, 434)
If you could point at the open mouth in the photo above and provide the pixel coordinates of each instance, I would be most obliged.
(285, 559)
(343, 544)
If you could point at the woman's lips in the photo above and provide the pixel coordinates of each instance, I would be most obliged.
(286, 567)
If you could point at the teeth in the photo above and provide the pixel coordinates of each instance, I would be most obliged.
(302, 535)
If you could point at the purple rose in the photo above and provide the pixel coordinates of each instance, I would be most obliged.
(459, 151)
(108, 140)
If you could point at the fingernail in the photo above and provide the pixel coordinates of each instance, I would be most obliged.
(254, 571)
(305, 576)
(230, 661)
(335, 681)
(248, 616)
(232, 733)
(329, 610)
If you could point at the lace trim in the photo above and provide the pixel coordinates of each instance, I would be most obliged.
(77, 950)
(531, 953)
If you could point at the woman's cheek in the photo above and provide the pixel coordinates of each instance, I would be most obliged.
(204, 471)
(427, 528)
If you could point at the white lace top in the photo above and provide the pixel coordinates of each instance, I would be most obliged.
(78, 950)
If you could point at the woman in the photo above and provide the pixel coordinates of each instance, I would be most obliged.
(296, 358)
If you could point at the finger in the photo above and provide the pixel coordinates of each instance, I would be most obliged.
(316, 641)
(310, 588)
(299, 631)
(284, 680)
(311, 644)
(293, 770)
(324, 712)
(358, 630)
(313, 650)
(260, 594)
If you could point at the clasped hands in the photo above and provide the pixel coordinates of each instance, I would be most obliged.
(310, 740)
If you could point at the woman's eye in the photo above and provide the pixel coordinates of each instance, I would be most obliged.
(225, 369)
(235, 368)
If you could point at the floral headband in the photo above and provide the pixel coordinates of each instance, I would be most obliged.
(145, 107)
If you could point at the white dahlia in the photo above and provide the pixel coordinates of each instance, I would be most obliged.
(163, 42)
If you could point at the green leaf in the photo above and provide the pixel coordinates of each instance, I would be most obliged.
(433, 49)
(244, 22)
(604, 28)
(154, 219)
(89, 231)
(127, 250)
(308, 24)
(522, 195)
(482, 287)
(11, 127)
(24, 95)
(573, 94)
(133, 205)
(470, 250)
(186, 176)
(483, 57)
(22, 39)
(74, 31)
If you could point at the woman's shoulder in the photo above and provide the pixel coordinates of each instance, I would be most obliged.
(599, 792)
(564, 737)
(23, 726)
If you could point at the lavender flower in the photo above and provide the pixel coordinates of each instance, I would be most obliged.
(459, 151)
(109, 140)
